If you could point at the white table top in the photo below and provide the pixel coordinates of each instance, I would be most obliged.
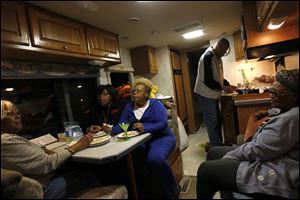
(111, 151)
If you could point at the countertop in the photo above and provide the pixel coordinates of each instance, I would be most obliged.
(252, 99)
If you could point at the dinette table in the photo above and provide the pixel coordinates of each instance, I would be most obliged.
(112, 151)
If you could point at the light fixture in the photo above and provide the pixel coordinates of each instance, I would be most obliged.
(96, 62)
(270, 56)
(193, 34)
(9, 89)
(133, 19)
(89, 5)
(276, 23)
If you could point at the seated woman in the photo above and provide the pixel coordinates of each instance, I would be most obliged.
(268, 164)
(106, 110)
(24, 156)
(149, 116)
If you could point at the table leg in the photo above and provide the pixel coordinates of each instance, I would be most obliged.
(132, 176)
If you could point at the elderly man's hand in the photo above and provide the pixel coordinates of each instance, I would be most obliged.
(83, 143)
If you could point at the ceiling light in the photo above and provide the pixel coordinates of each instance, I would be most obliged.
(193, 34)
(276, 23)
(9, 89)
(89, 5)
(134, 19)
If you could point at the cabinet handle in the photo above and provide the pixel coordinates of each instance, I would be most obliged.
(65, 47)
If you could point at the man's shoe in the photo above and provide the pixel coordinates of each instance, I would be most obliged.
(206, 146)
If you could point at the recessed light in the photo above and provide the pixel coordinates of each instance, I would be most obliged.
(9, 89)
(193, 34)
(134, 19)
(276, 23)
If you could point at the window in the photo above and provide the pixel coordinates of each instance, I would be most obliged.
(45, 104)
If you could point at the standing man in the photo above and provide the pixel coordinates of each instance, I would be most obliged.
(208, 87)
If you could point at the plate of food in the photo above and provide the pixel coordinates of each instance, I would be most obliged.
(99, 134)
(130, 134)
(100, 140)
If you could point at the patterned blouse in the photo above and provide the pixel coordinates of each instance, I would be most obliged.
(22, 155)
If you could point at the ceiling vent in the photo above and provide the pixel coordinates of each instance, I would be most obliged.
(188, 27)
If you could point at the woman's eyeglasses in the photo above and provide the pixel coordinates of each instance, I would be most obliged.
(277, 93)
(137, 91)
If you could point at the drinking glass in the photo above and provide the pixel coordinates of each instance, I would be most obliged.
(125, 126)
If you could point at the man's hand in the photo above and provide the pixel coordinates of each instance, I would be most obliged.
(83, 143)
(229, 89)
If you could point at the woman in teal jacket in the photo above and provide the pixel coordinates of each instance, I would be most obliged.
(148, 115)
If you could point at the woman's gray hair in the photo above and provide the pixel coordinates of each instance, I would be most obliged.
(6, 108)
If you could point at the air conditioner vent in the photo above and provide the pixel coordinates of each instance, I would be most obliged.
(188, 27)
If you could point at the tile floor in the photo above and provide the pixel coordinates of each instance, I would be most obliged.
(193, 155)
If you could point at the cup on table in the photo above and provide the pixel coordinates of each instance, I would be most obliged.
(61, 137)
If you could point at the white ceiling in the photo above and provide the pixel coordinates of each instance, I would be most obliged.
(219, 18)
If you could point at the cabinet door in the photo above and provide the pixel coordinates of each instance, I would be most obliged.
(175, 60)
(143, 60)
(180, 96)
(102, 43)
(52, 31)
(152, 60)
(238, 46)
(14, 27)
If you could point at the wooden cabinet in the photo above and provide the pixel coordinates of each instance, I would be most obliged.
(143, 60)
(250, 103)
(32, 33)
(175, 59)
(14, 27)
(229, 121)
(256, 37)
(238, 46)
(102, 43)
(179, 86)
(52, 31)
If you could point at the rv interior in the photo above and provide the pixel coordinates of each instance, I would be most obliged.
(54, 55)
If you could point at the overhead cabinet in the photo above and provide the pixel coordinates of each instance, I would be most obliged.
(238, 46)
(102, 43)
(55, 32)
(48, 36)
(14, 27)
(143, 60)
(253, 19)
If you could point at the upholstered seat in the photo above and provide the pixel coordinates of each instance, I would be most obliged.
(16, 186)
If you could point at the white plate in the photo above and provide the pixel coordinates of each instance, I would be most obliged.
(163, 97)
(100, 141)
(99, 134)
(130, 134)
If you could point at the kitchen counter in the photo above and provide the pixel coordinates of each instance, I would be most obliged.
(252, 101)
(236, 110)
(248, 104)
